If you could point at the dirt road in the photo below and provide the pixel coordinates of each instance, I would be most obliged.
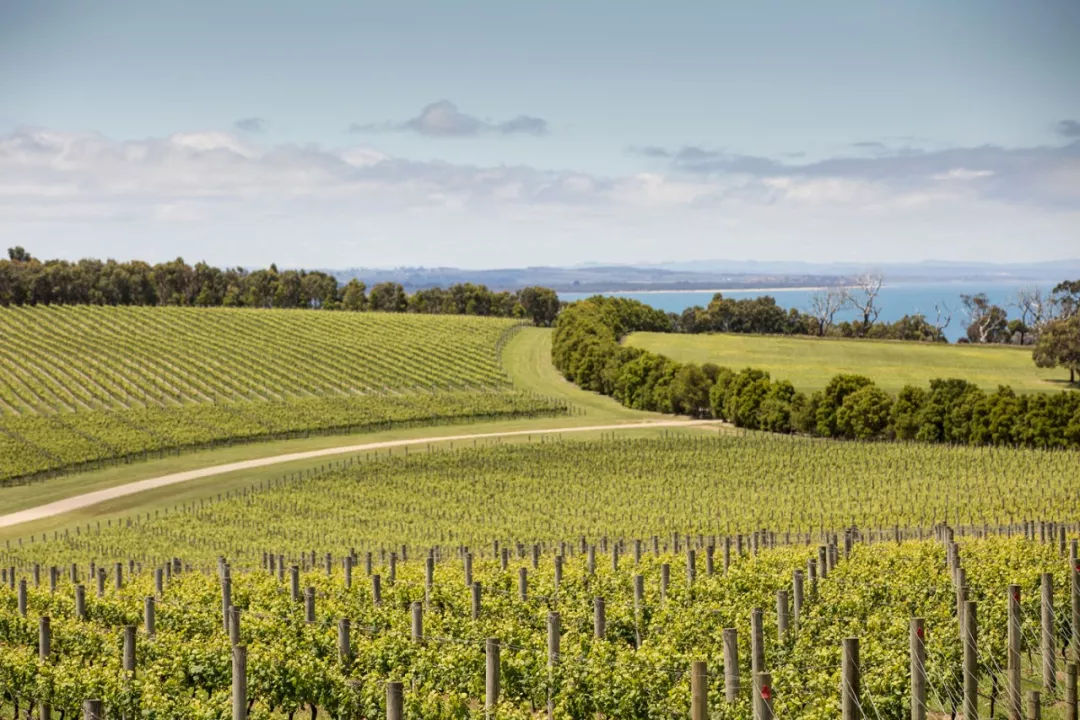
(77, 502)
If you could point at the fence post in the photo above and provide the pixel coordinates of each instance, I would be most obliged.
(764, 700)
(476, 593)
(731, 664)
(344, 639)
(239, 683)
(757, 655)
(699, 691)
(226, 597)
(294, 582)
(376, 590)
(418, 622)
(1074, 587)
(309, 605)
(394, 701)
(80, 602)
(599, 618)
(1013, 694)
(22, 597)
(971, 662)
(553, 657)
(44, 648)
(797, 596)
(665, 578)
(1049, 663)
(491, 695)
(850, 681)
(523, 584)
(129, 649)
(1034, 711)
(92, 710)
(781, 616)
(148, 616)
(1070, 691)
(918, 668)
(429, 577)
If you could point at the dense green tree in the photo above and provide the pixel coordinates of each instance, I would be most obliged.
(905, 412)
(1059, 345)
(832, 398)
(19, 254)
(354, 298)
(690, 391)
(388, 297)
(933, 417)
(775, 411)
(540, 304)
(864, 414)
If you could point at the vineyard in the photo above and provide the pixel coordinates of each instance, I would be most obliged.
(81, 385)
(612, 578)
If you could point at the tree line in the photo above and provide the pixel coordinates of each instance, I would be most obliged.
(25, 280)
(587, 351)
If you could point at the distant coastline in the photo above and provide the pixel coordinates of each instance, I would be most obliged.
(713, 290)
(922, 282)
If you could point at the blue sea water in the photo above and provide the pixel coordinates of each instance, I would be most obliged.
(895, 300)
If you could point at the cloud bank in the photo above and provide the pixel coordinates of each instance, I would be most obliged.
(444, 119)
(222, 197)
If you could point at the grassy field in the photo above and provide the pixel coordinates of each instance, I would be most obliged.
(80, 385)
(809, 363)
(527, 359)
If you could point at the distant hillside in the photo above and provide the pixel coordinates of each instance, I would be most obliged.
(705, 275)
(599, 278)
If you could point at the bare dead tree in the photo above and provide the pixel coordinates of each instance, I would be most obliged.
(825, 303)
(944, 316)
(863, 297)
(1035, 309)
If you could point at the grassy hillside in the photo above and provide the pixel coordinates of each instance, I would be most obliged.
(809, 363)
(84, 384)
(527, 358)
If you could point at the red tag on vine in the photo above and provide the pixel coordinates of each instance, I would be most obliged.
(921, 632)
(1078, 567)
(766, 692)
(1016, 595)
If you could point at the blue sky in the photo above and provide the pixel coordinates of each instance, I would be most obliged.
(491, 133)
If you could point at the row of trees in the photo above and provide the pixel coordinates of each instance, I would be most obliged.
(24, 280)
(761, 315)
(1034, 312)
(587, 351)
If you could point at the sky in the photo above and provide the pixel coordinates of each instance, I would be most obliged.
(497, 134)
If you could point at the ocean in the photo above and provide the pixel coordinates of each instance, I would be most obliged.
(895, 300)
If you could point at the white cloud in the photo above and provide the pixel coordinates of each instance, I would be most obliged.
(217, 196)
(963, 174)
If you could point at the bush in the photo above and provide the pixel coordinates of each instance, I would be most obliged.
(833, 398)
(586, 349)
(864, 414)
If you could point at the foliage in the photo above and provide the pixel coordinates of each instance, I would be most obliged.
(25, 280)
(1059, 345)
(691, 493)
(587, 350)
(84, 384)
